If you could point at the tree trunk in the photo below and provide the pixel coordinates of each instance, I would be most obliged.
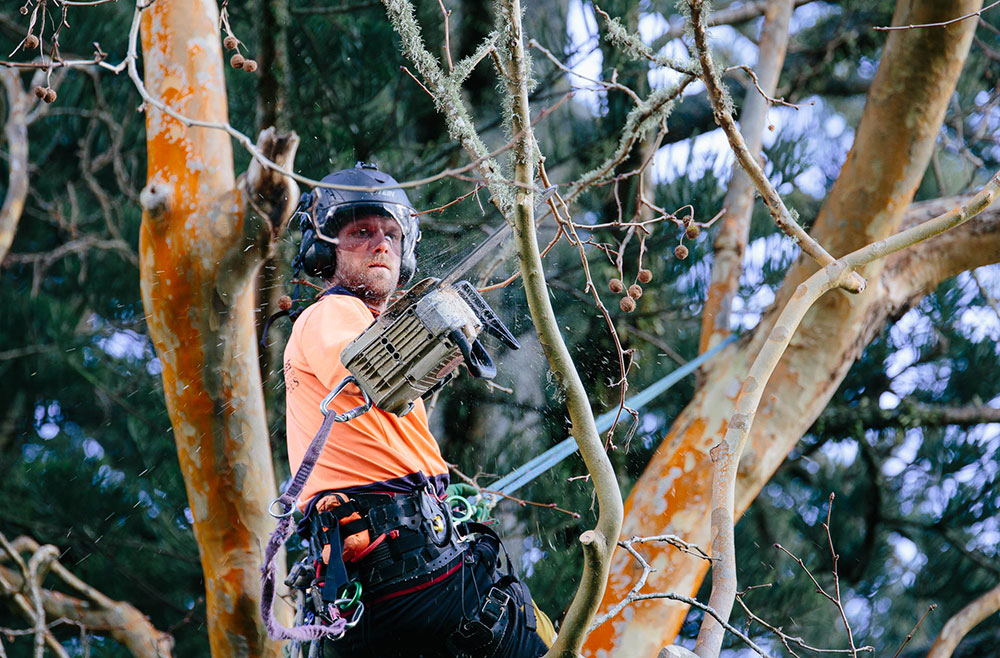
(200, 251)
(16, 134)
(904, 111)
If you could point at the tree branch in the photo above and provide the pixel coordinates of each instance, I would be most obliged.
(726, 454)
(95, 612)
(908, 413)
(734, 231)
(964, 621)
(724, 117)
(598, 544)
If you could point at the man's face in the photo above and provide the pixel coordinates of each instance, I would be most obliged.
(368, 256)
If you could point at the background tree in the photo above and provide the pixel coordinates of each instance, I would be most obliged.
(90, 410)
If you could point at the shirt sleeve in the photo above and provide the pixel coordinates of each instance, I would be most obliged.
(328, 330)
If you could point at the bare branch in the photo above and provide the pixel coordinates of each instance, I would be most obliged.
(974, 14)
(726, 454)
(964, 621)
(734, 232)
(724, 117)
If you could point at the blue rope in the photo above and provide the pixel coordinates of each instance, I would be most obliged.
(543, 462)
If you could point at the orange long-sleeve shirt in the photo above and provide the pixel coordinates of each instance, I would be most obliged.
(376, 451)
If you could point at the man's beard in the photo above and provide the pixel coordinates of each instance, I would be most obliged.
(367, 284)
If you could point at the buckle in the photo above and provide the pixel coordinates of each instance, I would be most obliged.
(495, 607)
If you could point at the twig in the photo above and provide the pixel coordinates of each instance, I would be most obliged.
(756, 83)
(522, 502)
(836, 576)
(889, 28)
(909, 636)
(447, 36)
(784, 637)
(414, 78)
(708, 610)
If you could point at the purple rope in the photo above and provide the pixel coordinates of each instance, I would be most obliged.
(309, 632)
(305, 633)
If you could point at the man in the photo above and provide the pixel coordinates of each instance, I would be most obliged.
(373, 502)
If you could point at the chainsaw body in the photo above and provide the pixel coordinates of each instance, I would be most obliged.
(413, 348)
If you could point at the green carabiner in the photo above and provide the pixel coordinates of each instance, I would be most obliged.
(345, 601)
(470, 509)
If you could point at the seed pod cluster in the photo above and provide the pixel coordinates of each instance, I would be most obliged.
(238, 61)
(46, 94)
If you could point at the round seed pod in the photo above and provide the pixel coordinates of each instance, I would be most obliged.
(284, 302)
(236, 61)
(635, 291)
(250, 65)
(50, 95)
(23, 10)
(692, 232)
(645, 276)
(40, 92)
(30, 42)
(616, 286)
(681, 252)
(627, 304)
(230, 42)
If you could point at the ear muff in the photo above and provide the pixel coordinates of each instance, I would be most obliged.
(317, 257)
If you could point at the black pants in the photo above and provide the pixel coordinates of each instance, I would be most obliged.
(418, 624)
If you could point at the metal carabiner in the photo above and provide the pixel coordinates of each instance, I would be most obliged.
(350, 414)
(282, 515)
(355, 616)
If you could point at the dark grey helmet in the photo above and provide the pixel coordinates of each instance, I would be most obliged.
(323, 211)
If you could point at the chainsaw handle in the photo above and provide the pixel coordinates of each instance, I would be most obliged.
(477, 359)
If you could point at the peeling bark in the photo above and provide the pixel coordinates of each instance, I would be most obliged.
(904, 111)
(202, 241)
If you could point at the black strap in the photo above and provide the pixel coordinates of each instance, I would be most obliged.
(336, 571)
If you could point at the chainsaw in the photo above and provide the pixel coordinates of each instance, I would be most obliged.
(414, 347)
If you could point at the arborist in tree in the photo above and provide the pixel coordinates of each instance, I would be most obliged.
(374, 505)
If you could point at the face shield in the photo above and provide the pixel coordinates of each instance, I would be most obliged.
(364, 218)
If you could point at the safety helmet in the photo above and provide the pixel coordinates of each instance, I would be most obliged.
(326, 210)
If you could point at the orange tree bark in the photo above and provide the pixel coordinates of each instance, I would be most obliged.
(869, 200)
(200, 249)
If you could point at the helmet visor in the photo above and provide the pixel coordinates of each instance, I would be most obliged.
(364, 227)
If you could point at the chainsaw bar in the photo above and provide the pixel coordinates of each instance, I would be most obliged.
(495, 239)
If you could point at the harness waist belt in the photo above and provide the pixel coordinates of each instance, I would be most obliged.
(406, 549)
